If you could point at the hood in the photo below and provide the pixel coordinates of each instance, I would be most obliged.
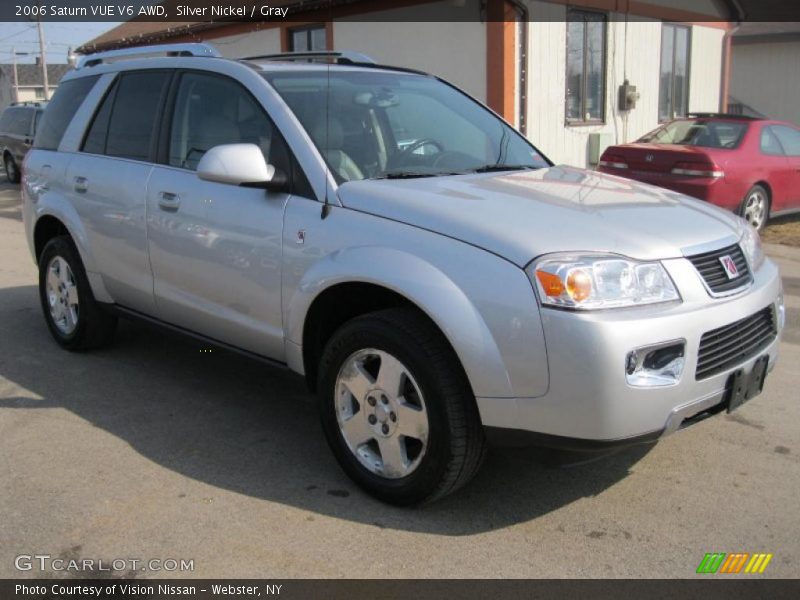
(520, 215)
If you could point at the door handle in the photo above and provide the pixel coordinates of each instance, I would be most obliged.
(81, 184)
(169, 201)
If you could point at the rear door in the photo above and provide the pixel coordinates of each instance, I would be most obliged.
(789, 138)
(215, 248)
(108, 179)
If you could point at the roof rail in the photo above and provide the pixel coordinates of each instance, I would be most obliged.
(344, 57)
(91, 60)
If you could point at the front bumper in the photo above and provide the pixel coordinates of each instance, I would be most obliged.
(589, 403)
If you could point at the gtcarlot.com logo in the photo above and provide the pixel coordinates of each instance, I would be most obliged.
(45, 562)
(734, 563)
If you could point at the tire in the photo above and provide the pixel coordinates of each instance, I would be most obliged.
(74, 318)
(433, 389)
(755, 207)
(12, 171)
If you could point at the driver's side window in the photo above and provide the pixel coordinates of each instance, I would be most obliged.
(211, 110)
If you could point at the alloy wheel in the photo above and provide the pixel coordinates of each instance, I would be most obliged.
(381, 413)
(62, 295)
(755, 208)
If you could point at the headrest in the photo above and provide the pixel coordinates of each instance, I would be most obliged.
(328, 134)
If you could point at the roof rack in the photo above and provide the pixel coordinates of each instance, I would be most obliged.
(37, 103)
(91, 60)
(345, 57)
(713, 115)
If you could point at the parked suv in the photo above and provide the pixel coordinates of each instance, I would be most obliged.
(17, 127)
(435, 279)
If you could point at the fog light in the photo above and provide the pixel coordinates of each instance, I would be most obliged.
(656, 365)
(781, 310)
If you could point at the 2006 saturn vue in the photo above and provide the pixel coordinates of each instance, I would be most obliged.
(433, 276)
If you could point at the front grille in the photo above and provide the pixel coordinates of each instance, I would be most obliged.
(725, 347)
(713, 273)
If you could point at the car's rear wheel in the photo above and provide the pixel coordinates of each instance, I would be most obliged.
(75, 319)
(397, 409)
(755, 207)
(12, 171)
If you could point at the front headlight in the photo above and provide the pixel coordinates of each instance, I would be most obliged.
(751, 246)
(593, 281)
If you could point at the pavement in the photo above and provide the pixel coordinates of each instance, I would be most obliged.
(152, 449)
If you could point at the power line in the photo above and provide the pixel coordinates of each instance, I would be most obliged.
(8, 37)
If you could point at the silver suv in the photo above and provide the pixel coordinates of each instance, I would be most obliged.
(433, 276)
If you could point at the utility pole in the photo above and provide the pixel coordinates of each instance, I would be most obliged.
(44, 60)
(16, 78)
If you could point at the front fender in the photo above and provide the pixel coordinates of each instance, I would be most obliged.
(426, 286)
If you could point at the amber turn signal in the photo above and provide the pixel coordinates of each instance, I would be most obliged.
(551, 284)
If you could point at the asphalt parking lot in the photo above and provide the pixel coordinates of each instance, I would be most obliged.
(153, 449)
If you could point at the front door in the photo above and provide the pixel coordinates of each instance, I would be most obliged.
(215, 249)
(789, 138)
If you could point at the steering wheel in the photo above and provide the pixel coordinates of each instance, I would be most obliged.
(419, 144)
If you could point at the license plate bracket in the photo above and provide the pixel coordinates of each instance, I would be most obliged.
(744, 386)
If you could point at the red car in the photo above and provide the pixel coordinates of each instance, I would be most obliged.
(747, 165)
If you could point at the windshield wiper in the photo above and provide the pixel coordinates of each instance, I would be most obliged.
(497, 167)
(410, 175)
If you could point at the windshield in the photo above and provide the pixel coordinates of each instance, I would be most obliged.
(371, 125)
(708, 134)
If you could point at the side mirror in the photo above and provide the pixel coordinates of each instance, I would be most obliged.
(240, 164)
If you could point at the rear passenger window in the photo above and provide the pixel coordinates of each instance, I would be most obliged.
(95, 141)
(134, 111)
(65, 103)
(789, 139)
(769, 143)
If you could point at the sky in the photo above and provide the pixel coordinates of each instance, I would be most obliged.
(58, 37)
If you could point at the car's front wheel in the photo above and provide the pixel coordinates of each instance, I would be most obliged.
(397, 409)
(74, 318)
(12, 170)
(755, 207)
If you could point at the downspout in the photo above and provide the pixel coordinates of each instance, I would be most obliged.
(737, 13)
(522, 82)
(725, 79)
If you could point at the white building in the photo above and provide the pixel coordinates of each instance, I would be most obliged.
(765, 78)
(554, 69)
(26, 84)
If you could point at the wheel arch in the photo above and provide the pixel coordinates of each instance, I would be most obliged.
(765, 184)
(58, 217)
(339, 303)
(341, 287)
(46, 228)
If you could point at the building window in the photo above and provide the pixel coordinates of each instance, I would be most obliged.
(308, 39)
(673, 95)
(586, 66)
(39, 93)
